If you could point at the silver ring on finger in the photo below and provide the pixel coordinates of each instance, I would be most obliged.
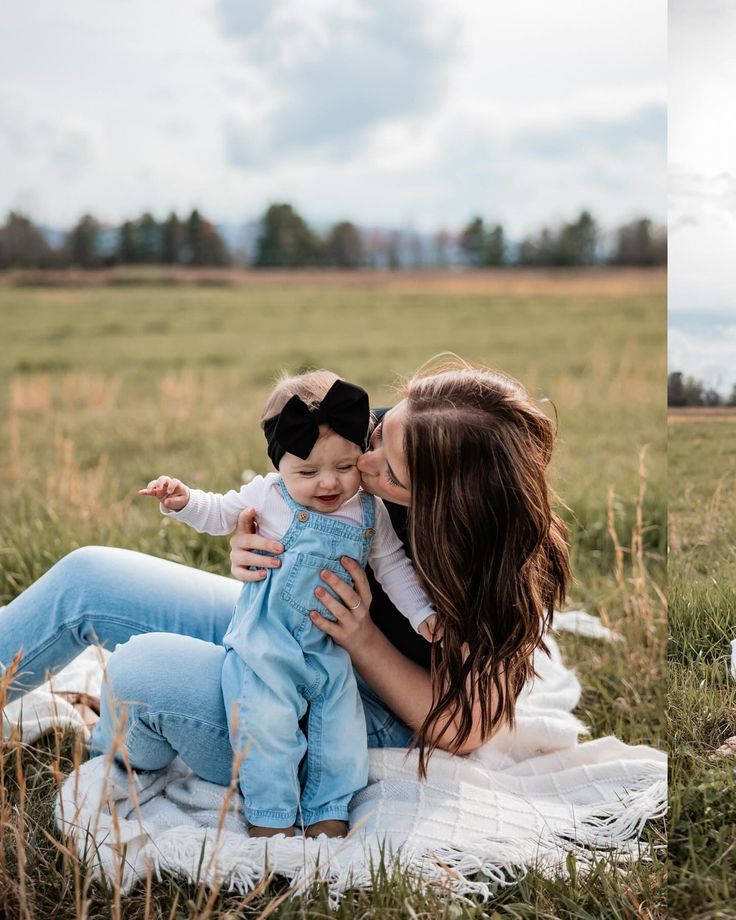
(357, 605)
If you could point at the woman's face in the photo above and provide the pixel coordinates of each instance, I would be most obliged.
(382, 467)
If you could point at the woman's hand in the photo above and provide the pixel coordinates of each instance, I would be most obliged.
(354, 626)
(245, 564)
(172, 493)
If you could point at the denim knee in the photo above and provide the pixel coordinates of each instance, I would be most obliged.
(135, 668)
(150, 669)
(77, 571)
(78, 565)
(162, 692)
(133, 681)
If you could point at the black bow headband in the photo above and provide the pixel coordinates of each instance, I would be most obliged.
(296, 428)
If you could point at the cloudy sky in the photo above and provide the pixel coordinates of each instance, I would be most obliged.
(702, 189)
(390, 112)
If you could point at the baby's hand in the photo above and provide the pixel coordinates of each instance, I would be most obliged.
(430, 629)
(172, 493)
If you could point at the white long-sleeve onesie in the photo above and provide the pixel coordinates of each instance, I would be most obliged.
(217, 514)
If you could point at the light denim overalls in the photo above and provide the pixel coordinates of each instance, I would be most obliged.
(279, 667)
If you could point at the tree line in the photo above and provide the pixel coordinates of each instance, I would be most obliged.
(285, 240)
(687, 391)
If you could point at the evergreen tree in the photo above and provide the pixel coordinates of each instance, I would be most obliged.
(577, 242)
(473, 241)
(640, 243)
(147, 239)
(82, 243)
(676, 389)
(172, 240)
(694, 391)
(483, 246)
(195, 239)
(286, 241)
(127, 251)
(22, 245)
(345, 246)
(495, 252)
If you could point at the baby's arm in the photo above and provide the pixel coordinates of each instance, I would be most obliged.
(211, 512)
(395, 572)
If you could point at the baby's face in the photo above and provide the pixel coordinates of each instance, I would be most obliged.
(328, 477)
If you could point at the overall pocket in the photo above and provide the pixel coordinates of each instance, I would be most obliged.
(302, 579)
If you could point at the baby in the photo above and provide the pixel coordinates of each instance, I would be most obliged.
(281, 672)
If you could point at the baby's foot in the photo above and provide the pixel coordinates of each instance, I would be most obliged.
(329, 828)
(255, 830)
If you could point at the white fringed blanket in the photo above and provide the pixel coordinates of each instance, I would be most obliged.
(526, 799)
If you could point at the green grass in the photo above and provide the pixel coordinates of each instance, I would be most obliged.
(702, 696)
(102, 388)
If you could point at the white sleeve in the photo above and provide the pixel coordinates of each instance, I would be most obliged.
(216, 514)
(393, 569)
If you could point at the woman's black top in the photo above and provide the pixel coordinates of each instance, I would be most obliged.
(394, 625)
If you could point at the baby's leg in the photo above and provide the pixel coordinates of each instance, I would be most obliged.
(106, 595)
(337, 754)
(263, 712)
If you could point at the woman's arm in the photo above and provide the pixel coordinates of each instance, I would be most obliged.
(395, 573)
(403, 685)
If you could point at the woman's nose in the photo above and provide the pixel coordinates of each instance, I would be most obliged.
(367, 463)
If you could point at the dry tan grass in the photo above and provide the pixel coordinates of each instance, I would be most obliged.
(701, 414)
(460, 281)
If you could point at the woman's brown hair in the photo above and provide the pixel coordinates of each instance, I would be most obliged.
(488, 549)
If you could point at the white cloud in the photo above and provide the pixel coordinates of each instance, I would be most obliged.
(702, 182)
(704, 349)
(341, 69)
(386, 113)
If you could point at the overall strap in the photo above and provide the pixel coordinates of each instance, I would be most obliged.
(368, 509)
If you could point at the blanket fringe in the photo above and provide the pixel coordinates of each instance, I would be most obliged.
(611, 831)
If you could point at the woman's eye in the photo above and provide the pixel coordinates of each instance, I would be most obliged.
(392, 480)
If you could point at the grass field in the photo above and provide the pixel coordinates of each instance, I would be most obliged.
(104, 386)
(702, 704)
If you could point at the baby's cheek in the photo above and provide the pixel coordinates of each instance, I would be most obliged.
(298, 488)
(354, 483)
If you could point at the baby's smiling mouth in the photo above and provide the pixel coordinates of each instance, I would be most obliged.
(328, 499)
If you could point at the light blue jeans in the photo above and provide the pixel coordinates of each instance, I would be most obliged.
(168, 621)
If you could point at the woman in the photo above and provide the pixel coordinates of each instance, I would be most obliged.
(462, 464)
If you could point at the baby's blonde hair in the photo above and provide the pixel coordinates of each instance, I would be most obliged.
(311, 388)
